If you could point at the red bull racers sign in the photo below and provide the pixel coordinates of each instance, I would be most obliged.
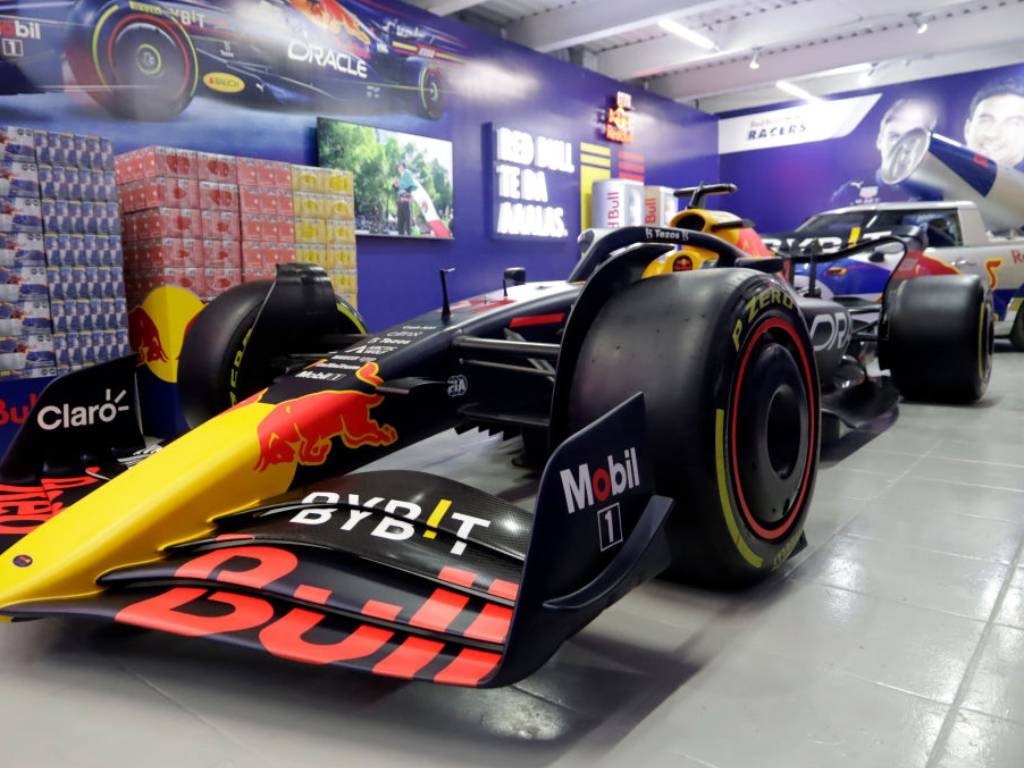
(301, 430)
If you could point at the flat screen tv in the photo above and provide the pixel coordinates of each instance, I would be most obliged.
(403, 182)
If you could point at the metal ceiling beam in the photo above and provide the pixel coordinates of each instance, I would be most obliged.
(776, 27)
(578, 24)
(446, 7)
(888, 73)
(992, 27)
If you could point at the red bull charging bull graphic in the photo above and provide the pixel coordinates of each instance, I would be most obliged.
(301, 430)
(144, 335)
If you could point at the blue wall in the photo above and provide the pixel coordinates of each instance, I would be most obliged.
(499, 83)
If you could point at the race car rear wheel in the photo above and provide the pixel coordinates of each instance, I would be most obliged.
(431, 93)
(138, 65)
(210, 377)
(937, 338)
(1017, 330)
(731, 390)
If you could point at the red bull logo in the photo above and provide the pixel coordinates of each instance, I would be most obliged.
(301, 430)
(144, 336)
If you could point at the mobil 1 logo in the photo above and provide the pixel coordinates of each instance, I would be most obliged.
(609, 526)
(585, 488)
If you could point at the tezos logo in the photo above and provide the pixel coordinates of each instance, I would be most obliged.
(67, 416)
(584, 487)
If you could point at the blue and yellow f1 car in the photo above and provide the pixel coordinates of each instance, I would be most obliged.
(679, 419)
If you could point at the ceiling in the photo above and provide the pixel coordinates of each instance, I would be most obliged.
(824, 46)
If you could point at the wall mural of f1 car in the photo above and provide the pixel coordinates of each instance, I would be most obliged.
(148, 60)
(677, 418)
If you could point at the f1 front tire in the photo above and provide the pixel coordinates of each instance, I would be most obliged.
(733, 417)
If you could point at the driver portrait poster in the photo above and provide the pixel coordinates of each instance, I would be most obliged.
(832, 154)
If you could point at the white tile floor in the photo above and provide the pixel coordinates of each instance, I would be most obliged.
(895, 640)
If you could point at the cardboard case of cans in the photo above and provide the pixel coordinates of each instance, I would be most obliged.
(61, 287)
(207, 222)
(82, 242)
(181, 223)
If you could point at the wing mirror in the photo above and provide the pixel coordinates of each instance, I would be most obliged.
(513, 276)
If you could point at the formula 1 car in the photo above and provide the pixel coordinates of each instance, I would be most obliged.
(146, 61)
(683, 412)
(945, 238)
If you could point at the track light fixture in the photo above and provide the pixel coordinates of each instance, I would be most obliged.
(921, 24)
(754, 63)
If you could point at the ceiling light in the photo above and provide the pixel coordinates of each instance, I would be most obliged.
(754, 63)
(795, 90)
(921, 24)
(687, 34)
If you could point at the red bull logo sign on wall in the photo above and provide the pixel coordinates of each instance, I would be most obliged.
(301, 430)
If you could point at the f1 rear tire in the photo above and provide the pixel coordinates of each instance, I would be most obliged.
(431, 93)
(211, 377)
(212, 348)
(733, 418)
(937, 338)
(139, 65)
(1017, 331)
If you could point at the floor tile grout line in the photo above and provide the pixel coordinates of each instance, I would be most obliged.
(187, 710)
(963, 484)
(1002, 719)
(972, 664)
(896, 479)
(892, 601)
(895, 688)
(980, 461)
(864, 537)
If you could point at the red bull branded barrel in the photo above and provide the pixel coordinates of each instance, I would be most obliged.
(921, 159)
(617, 203)
(660, 205)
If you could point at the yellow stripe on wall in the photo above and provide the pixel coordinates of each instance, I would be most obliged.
(600, 162)
(595, 149)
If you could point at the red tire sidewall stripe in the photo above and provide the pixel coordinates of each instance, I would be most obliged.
(169, 28)
(764, 327)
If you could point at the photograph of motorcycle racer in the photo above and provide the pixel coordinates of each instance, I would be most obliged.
(903, 115)
(995, 122)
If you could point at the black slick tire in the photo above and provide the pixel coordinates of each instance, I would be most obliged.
(733, 418)
(937, 338)
(212, 351)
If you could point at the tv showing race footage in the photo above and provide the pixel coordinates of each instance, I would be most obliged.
(403, 182)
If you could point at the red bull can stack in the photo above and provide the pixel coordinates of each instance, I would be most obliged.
(180, 206)
(268, 216)
(660, 205)
(207, 221)
(325, 224)
(84, 259)
(617, 203)
(26, 342)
